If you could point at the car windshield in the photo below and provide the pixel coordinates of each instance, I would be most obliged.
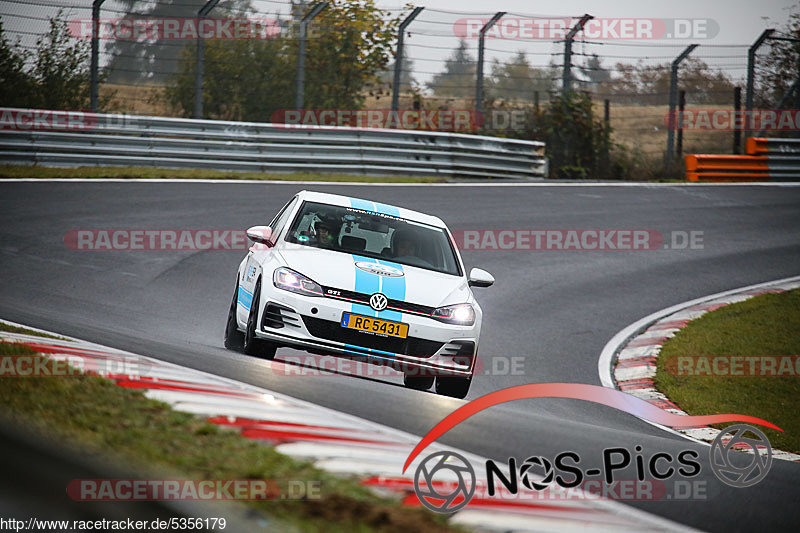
(369, 234)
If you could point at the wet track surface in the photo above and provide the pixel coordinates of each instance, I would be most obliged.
(553, 311)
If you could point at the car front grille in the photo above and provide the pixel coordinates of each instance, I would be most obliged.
(333, 331)
(276, 316)
(408, 307)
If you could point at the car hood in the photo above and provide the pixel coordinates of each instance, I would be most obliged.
(339, 271)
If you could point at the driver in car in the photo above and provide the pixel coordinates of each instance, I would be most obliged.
(326, 232)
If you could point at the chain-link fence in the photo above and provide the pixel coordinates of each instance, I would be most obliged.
(249, 67)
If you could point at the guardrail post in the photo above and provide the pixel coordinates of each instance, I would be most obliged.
(479, 79)
(566, 75)
(751, 67)
(737, 112)
(673, 97)
(398, 57)
(301, 53)
(201, 49)
(94, 75)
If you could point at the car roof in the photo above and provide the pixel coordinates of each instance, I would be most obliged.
(369, 205)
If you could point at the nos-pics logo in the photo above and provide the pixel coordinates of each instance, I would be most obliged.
(445, 481)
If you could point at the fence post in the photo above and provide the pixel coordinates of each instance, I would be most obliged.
(479, 80)
(737, 112)
(201, 51)
(94, 67)
(566, 75)
(751, 68)
(605, 155)
(681, 107)
(301, 54)
(398, 57)
(673, 97)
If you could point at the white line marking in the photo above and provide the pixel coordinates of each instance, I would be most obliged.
(606, 359)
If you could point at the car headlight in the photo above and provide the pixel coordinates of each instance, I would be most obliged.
(289, 280)
(461, 314)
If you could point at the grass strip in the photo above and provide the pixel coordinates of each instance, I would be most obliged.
(25, 331)
(39, 172)
(765, 325)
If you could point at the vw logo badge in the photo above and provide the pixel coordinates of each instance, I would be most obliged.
(379, 269)
(378, 301)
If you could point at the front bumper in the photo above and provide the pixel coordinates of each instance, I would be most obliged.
(432, 348)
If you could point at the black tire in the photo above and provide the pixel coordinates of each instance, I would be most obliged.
(253, 345)
(418, 382)
(453, 387)
(233, 337)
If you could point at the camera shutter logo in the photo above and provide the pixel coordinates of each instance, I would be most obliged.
(543, 464)
(728, 463)
(378, 301)
(453, 465)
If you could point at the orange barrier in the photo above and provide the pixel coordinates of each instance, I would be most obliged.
(726, 168)
(767, 159)
(756, 146)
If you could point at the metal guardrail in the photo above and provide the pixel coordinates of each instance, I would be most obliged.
(58, 138)
(767, 160)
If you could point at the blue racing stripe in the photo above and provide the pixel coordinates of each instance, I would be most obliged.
(387, 209)
(366, 283)
(244, 298)
(364, 205)
(370, 350)
(394, 289)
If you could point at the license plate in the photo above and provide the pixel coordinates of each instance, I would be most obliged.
(374, 325)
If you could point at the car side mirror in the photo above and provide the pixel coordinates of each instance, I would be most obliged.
(261, 235)
(480, 278)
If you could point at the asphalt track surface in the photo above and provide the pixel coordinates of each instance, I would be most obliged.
(553, 309)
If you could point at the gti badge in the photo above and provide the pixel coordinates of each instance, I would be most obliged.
(378, 301)
(381, 270)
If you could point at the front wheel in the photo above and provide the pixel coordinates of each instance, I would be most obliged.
(233, 337)
(453, 387)
(253, 345)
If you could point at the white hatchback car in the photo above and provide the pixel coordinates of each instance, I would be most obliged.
(348, 277)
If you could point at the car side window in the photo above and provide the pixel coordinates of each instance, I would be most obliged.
(281, 218)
